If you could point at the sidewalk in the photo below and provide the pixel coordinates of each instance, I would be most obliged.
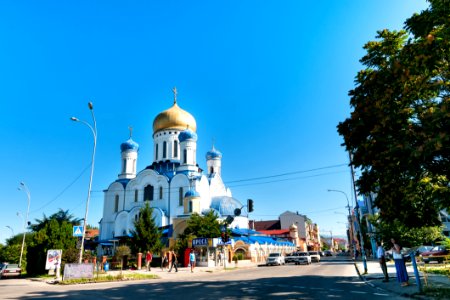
(374, 277)
(184, 272)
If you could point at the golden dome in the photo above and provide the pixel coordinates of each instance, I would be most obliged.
(174, 118)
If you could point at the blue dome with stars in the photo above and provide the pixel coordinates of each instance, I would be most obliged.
(129, 145)
(213, 153)
(187, 134)
(225, 205)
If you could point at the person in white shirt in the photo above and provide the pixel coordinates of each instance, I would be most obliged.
(382, 260)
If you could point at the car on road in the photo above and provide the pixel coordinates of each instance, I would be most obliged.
(303, 258)
(9, 270)
(275, 258)
(290, 258)
(418, 250)
(328, 253)
(437, 254)
(315, 256)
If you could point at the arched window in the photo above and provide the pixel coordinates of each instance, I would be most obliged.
(175, 149)
(116, 203)
(136, 194)
(160, 192)
(184, 156)
(124, 166)
(180, 196)
(164, 150)
(212, 170)
(148, 193)
(190, 206)
(156, 152)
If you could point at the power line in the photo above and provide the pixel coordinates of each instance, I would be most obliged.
(63, 191)
(266, 177)
(287, 179)
(286, 174)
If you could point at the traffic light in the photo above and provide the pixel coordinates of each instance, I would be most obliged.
(249, 205)
(224, 236)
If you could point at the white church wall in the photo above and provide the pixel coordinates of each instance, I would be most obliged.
(114, 189)
(202, 187)
(217, 187)
(179, 180)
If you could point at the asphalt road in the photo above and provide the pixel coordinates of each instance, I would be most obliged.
(333, 278)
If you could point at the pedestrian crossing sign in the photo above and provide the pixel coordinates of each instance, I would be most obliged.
(77, 230)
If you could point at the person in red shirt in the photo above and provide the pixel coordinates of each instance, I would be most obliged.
(148, 260)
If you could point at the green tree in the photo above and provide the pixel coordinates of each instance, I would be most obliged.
(60, 216)
(404, 235)
(397, 133)
(207, 226)
(146, 235)
(121, 252)
(55, 233)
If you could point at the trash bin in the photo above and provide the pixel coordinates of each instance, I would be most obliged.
(106, 267)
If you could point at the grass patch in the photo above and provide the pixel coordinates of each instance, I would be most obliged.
(442, 270)
(437, 292)
(107, 278)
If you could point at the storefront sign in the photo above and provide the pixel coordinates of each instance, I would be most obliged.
(199, 242)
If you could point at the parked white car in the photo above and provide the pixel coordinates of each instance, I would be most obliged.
(275, 259)
(303, 258)
(315, 256)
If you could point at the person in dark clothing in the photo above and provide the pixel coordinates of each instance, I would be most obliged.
(173, 261)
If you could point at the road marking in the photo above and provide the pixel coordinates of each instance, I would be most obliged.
(358, 292)
(379, 294)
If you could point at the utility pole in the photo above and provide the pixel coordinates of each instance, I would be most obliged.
(363, 252)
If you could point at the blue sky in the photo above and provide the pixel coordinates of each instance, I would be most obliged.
(267, 80)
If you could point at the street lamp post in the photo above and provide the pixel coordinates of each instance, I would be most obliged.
(94, 133)
(24, 188)
(349, 214)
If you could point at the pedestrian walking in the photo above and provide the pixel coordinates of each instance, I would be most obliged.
(173, 261)
(164, 260)
(148, 260)
(219, 258)
(192, 260)
(400, 267)
(382, 260)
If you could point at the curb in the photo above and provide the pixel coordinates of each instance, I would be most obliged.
(363, 278)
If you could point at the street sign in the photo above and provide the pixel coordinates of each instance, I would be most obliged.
(77, 231)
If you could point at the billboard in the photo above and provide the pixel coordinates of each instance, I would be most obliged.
(53, 259)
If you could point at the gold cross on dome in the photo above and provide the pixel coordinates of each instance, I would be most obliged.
(131, 131)
(175, 93)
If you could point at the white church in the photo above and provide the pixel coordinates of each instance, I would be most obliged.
(173, 183)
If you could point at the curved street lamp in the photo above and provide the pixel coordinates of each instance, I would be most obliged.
(12, 231)
(23, 187)
(94, 133)
(363, 253)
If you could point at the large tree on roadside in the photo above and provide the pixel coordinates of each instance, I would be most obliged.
(60, 216)
(205, 226)
(146, 235)
(54, 232)
(398, 131)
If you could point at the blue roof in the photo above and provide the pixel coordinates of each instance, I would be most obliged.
(225, 205)
(187, 135)
(129, 145)
(192, 193)
(263, 240)
(213, 153)
(123, 181)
